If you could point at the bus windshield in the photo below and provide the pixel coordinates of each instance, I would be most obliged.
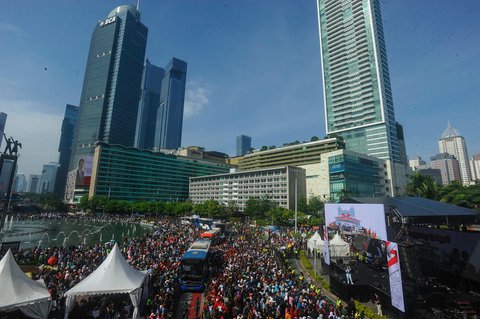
(192, 268)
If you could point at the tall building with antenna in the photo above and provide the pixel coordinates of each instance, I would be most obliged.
(453, 143)
(111, 88)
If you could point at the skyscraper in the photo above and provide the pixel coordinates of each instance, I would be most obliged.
(33, 183)
(65, 148)
(448, 166)
(244, 143)
(47, 179)
(453, 143)
(148, 107)
(475, 167)
(168, 130)
(357, 94)
(111, 87)
(3, 122)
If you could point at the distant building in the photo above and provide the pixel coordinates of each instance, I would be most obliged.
(448, 166)
(47, 179)
(402, 150)
(142, 175)
(20, 183)
(111, 87)
(475, 167)
(148, 107)
(453, 143)
(3, 122)
(278, 184)
(416, 163)
(33, 183)
(244, 143)
(169, 123)
(197, 152)
(65, 148)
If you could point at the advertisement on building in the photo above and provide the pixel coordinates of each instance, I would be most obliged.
(357, 219)
(84, 171)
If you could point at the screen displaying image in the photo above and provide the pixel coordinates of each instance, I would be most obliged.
(357, 219)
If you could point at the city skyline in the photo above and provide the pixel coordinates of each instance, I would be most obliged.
(240, 51)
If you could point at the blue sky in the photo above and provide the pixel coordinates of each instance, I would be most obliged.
(253, 68)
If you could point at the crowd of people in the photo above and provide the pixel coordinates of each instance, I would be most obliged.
(159, 253)
(251, 279)
(257, 282)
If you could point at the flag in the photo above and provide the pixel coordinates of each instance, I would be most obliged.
(395, 276)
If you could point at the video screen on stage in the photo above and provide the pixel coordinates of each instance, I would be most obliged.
(357, 219)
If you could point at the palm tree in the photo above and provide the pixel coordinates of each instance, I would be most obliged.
(343, 195)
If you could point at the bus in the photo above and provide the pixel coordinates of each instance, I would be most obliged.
(194, 268)
(215, 235)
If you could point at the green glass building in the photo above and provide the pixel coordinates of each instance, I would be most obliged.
(127, 173)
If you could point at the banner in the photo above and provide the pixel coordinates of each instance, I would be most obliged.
(395, 276)
(326, 252)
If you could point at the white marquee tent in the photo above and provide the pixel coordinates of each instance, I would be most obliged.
(319, 242)
(17, 291)
(339, 247)
(113, 276)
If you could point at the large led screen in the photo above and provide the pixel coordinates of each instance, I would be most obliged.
(357, 219)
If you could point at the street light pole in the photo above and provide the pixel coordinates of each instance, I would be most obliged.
(315, 257)
(296, 200)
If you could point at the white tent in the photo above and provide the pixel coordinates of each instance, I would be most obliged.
(113, 276)
(17, 291)
(311, 241)
(339, 247)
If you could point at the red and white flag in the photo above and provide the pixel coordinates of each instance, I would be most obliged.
(395, 276)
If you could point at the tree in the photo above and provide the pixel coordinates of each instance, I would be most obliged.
(315, 204)
(314, 138)
(422, 186)
(83, 204)
(264, 148)
(302, 205)
(343, 194)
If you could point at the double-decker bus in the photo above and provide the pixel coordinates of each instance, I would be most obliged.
(194, 269)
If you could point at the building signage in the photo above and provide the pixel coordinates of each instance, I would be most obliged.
(5, 246)
(108, 21)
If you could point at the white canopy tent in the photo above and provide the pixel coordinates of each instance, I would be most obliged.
(339, 247)
(17, 291)
(113, 276)
(315, 239)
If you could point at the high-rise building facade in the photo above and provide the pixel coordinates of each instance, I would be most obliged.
(65, 148)
(417, 163)
(356, 84)
(475, 167)
(148, 107)
(448, 166)
(20, 183)
(244, 143)
(453, 143)
(3, 122)
(47, 179)
(111, 87)
(33, 182)
(168, 131)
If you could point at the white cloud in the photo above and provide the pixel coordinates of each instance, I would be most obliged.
(39, 133)
(196, 98)
(11, 29)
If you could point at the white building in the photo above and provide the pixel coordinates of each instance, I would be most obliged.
(417, 163)
(453, 143)
(278, 184)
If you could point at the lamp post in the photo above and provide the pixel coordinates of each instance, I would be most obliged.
(296, 200)
(315, 257)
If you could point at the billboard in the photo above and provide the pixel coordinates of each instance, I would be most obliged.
(357, 219)
(83, 172)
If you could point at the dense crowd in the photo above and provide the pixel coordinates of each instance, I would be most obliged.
(256, 282)
(159, 253)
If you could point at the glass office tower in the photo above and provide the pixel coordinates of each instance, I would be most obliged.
(111, 87)
(357, 94)
(168, 131)
(65, 148)
(244, 143)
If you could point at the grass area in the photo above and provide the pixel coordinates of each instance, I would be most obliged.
(369, 313)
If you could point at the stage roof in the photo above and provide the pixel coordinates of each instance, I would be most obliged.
(418, 206)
